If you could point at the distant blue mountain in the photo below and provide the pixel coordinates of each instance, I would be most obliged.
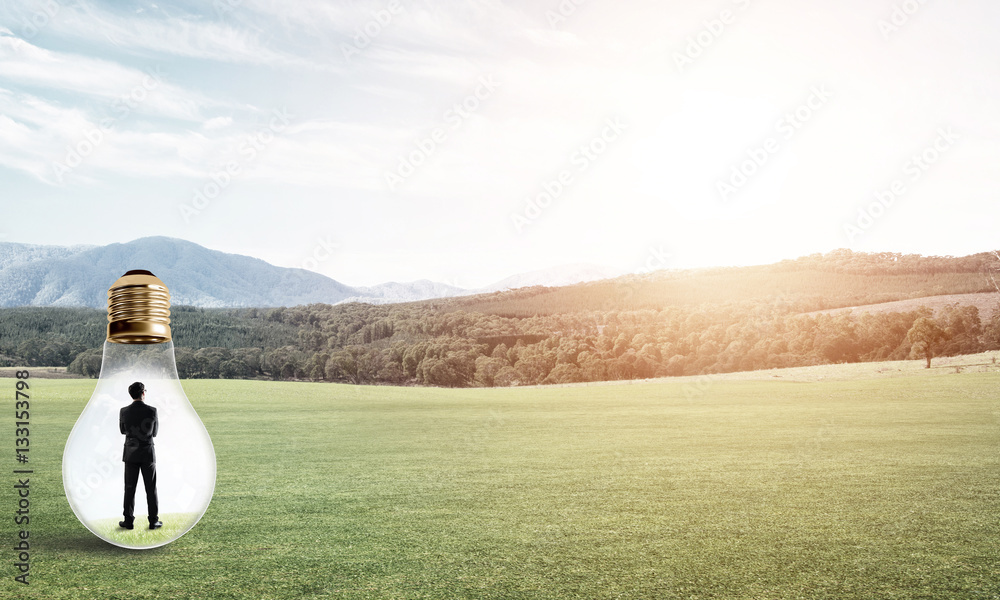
(11, 254)
(80, 276)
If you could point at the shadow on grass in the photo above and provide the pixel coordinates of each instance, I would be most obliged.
(114, 540)
(89, 544)
(81, 542)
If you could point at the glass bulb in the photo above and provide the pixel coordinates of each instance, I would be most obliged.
(139, 348)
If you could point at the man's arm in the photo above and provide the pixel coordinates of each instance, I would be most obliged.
(121, 421)
(156, 424)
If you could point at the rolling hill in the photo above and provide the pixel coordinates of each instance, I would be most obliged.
(818, 282)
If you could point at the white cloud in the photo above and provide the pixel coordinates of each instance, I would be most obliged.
(218, 123)
(141, 91)
(64, 146)
(60, 145)
(190, 36)
(407, 38)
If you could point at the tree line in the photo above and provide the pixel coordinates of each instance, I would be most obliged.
(364, 344)
(658, 325)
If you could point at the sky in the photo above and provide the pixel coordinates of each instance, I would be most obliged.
(466, 141)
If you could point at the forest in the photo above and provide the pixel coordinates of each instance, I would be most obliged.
(660, 324)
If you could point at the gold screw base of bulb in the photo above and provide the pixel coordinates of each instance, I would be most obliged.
(138, 309)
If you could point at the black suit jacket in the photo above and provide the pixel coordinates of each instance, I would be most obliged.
(138, 422)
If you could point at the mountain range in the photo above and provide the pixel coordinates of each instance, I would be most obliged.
(36, 275)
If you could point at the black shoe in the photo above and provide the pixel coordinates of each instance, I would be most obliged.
(124, 525)
(155, 525)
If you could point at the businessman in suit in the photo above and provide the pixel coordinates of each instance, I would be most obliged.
(138, 423)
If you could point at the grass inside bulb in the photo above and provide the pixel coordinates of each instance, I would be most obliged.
(139, 348)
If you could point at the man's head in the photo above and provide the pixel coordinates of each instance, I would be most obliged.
(136, 390)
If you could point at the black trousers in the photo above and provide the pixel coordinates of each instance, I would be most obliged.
(149, 481)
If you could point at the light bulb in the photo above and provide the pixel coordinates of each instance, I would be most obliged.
(139, 349)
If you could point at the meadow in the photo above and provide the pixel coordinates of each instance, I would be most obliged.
(842, 482)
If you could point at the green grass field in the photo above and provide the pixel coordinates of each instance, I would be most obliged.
(846, 483)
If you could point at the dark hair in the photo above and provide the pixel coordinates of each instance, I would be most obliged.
(136, 389)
